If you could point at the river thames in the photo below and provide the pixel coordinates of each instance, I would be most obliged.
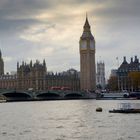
(67, 120)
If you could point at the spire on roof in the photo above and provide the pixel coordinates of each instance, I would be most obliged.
(31, 63)
(86, 26)
(124, 60)
(0, 53)
(86, 32)
(17, 64)
(44, 62)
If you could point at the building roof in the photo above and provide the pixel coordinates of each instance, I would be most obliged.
(132, 66)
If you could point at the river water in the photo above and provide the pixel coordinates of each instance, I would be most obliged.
(67, 120)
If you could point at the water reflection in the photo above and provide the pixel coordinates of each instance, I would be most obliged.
(67, 120)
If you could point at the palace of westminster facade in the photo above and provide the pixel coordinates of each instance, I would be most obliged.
(35, 75)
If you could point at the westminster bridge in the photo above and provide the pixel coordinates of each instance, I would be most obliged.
(25, 95)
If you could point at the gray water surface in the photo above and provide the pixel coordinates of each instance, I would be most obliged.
(67, 120)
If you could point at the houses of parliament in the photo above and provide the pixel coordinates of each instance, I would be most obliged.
(36, 76)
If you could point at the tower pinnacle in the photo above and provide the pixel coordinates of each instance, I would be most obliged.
(86, 32)
(0, 53)
(86, 26)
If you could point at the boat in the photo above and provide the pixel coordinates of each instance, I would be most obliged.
(132, 110)
(127, 108)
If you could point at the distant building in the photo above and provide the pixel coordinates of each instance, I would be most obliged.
(124, 80)
(69, 79)
(35, 76)
(8, 81)
(100, 75)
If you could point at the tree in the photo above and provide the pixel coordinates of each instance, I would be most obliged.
(134, 80)
(113, 83)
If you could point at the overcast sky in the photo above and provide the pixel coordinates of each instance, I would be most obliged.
(51, 29)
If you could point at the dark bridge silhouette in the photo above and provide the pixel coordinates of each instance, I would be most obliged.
(15, 95)
(46, 95)
(73, 95)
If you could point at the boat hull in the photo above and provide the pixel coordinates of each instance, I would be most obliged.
(124, 111)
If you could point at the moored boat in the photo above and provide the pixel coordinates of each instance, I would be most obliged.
(124, 111)
(127, 108)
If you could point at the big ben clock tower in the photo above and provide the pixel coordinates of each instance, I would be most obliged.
(87, 59)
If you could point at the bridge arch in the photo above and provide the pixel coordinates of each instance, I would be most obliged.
(73, 95)
(16, 95)
(48, 95)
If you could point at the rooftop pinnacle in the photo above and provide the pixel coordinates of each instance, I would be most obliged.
(86, 26)
(86, 32)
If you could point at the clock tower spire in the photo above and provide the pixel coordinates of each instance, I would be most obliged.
(87, 58)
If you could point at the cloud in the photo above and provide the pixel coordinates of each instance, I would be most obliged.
(51, 29)
(8, 59)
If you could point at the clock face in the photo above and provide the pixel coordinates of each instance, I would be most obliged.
(83, 44)
(92, 44)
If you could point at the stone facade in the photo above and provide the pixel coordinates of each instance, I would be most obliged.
(124, 81)
(100, 75)
(35, 76)
(8, 81)
(31, 76)
(69, 79)
(87, 59)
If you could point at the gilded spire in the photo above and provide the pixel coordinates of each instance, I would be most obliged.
(86, 32)
(86, 26)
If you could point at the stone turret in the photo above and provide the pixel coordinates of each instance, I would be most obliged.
(1, 64)
(136, 60)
